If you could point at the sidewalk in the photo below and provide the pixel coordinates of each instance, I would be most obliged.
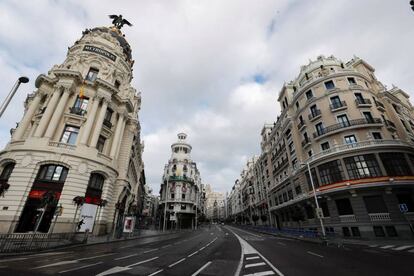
(394, 244)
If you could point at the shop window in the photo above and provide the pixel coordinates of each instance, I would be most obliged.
(346, 232)
(344, 207)
(355, 232)
(379, 231)
(361, 166)
(375, 204)
(395, 164)
(391, 231)
(331, 172)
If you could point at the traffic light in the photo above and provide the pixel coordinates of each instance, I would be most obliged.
(412, 4)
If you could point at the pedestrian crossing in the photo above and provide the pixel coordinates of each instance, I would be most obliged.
(399, 248)
(255, 265)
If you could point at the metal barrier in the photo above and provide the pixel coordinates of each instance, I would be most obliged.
(23, 242)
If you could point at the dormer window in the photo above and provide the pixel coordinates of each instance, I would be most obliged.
(92, 74)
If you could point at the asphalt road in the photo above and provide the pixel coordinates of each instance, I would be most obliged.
(219, 250)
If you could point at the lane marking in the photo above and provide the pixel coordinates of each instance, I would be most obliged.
(81, 267)
(125, 257)
(165, 246)
(264, 273)
(151, 250)
(387, 246)
(314, 254)
(126, 246)
(73, 261)
(403, 247)
(202, 248)
(255, 264)
(12, 260)
(252, 258)
(192, 254)
(281, 243)
(201, 269)
(156, 272)
(374, 245)
(177, 262)
(246, 248)
(142, 262)
(94, 257)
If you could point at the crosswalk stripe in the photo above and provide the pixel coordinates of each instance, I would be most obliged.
(252, 258)
(255, 264)
(403, 247)
(264, 273)
(387, 246)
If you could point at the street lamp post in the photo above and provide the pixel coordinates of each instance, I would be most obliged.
(11, 94)
(318, 213)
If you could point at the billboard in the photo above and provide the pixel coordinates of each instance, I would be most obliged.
(129, 224)
(88, 213)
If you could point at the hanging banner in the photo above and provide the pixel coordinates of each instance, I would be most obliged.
(87, 217)
(129, 224)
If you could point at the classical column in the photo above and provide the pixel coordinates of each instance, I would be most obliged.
(89, 121)
(44, 121)
(117, 135)
(99, 122)
(58, 113)
(24, 123)
(121, 136)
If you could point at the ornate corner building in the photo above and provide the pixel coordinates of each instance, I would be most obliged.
(357, 137)
(79, 138)
(181, 193)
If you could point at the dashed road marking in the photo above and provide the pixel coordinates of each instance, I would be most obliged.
(126, 257)
(165, 246)
(403, 247)
(281, 243)
(255, 264)
(155, 249)
(387, 246)
(12, 260)
(81, 267)
(201, 268)
(252, 258)
(314, 254)
(117, 269)
(192, 254)
(73, 261)
(156, 272)
(177, 262)
(263, 273)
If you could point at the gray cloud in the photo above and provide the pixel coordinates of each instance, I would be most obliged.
(196, 62)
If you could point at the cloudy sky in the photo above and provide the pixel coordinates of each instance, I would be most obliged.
(210, 68)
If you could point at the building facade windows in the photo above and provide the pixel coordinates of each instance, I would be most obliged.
(377, 135)
(314, 178)
(343, 120)
(375, 204)
(331, 172)
(319, 129)
(362, 166)
(350, 139)
(80, 106)
(395, 164)
(6, 172)
(344, 207)
(325, 146)
(336, 102)
(379, 231)
(92, 74)
(94, 190)
(329, 85)
(101, 143)
(69, 135)
(309, 94)
(351, 81)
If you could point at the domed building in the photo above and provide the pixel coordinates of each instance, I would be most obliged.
(181, 191)
(78, 145)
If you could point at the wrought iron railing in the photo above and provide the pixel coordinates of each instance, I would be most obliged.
(315, 113)
(77, 110)
(356, 122)
(362, 101)
(336, 105)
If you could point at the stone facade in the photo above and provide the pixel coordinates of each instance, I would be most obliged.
(357, 137)
(181, 190)
(79, 136)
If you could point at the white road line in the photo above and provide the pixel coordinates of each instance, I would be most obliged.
(411, 251)
(73, 261)
(263, 273)
(125, 257)
(255, 264)
(126, 246)
(201, 269)
(252, 258)
(202, 248)
(403, 247)
(177, 262)
(151, 250)
(192, 254)
(387, 246)
(314, 254)
(141, 262)
(373, 245)
(281, 243)
(156, 272)
(165, 246)
(12, 260)
(94, 257)
(81, 267)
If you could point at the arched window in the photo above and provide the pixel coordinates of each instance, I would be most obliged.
(94, 190)
(50, 172)
(7, 170)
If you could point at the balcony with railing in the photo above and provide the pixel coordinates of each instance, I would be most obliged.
(107, 123)
(301, 125)
(306, 142)
(379, 216)
(62, 145)
(380, 105)
(336, 106)
(316, 113)
(347, 218)
(348, 124)
(181, 178)
(77, 111)
(362, 102)
(390, 125)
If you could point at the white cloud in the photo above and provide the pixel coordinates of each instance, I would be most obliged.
(195, 62)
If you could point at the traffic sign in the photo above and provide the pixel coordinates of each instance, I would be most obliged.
(403, 207)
